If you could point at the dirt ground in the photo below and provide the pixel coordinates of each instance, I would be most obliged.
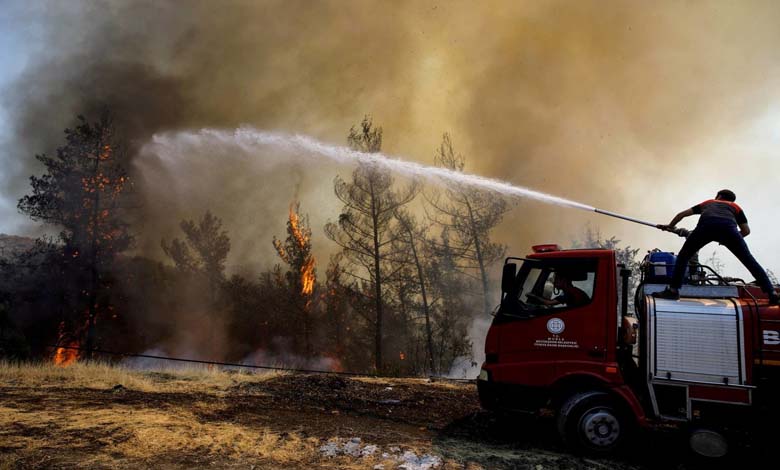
(226, 420)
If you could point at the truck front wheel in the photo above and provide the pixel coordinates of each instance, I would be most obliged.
(591, 423)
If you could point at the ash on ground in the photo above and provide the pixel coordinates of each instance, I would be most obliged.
(401, 460)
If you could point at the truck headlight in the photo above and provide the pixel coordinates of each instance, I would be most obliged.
(484, 375)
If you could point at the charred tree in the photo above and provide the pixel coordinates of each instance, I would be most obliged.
(451, 313)
(469, 215)
(200, 257)
(85, 192)
(366, 227)
(336, 305)
(413, 238)
(203, 250)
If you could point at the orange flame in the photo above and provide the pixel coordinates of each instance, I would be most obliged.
(307, 277)
(105, 154)
(302, 239)
(64, 356)
(335, 365)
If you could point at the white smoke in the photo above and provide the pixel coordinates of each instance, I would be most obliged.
(290, 361)
(467, 367)
(161, 362)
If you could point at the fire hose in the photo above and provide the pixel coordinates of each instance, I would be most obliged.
(624, 217)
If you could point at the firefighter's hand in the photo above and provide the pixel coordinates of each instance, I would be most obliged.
(682, 232)
(665, 228)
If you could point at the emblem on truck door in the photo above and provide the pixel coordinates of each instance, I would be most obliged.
(555, 326)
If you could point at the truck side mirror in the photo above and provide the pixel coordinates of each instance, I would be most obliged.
(508, 277)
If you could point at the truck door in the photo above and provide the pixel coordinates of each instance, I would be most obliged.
(550, 320)
(584, 326)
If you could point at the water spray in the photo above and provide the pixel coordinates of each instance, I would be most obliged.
(171, 145)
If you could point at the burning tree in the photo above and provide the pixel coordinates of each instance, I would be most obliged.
(295, 251)
(468, 215)
(84, 192)
(367, 227)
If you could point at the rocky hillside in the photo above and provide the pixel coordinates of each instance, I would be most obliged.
(12, 244)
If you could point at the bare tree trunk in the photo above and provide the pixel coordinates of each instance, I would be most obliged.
(93, 270)
(212, 315)
(423, 293)
(426, 310)
(480, 258)
(336, 314)
(307, 329)
(378, 285)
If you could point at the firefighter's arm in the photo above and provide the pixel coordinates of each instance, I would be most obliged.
(677, 218)
(744, 229)
(541, 300)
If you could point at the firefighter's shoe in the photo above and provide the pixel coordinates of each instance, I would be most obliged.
(774, 299)
(667, 294)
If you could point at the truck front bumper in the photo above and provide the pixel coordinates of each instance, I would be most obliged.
(495, 396)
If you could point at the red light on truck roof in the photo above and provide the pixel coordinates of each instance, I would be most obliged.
(546, 248)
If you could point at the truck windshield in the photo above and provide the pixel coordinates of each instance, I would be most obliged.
(550, 285)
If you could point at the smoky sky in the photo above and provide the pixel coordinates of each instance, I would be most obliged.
(593, 101)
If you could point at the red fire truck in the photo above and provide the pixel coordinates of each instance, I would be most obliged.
(563, 339)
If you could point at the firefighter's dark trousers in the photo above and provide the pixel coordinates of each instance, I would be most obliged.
(728, 236)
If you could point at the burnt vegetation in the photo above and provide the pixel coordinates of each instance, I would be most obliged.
(398, 296)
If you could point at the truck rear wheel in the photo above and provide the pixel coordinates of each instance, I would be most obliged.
(708, 443)
(590, 422)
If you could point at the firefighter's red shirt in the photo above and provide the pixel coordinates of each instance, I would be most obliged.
(718, 211)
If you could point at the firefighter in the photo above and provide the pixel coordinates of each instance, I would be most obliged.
(571, 295)
(693, 264)
(721, 220)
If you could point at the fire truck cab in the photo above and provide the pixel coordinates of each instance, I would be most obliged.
(563, 339)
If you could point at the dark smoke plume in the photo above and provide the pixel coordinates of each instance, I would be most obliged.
(579, 99)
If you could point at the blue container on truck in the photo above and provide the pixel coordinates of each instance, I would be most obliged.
(660, 267)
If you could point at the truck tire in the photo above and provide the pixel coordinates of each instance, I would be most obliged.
(589, 422)
(708, 443)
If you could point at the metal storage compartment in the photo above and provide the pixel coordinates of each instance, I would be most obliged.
(696, 340)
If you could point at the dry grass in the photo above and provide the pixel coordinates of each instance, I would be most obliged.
(130, 433)
(57, 431)
(73, 417)
(97, 375)
(149, 436)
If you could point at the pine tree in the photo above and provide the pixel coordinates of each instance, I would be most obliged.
(85, 193)
(414, 243)
(367, 227)
(203, 251)
(468, 215)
